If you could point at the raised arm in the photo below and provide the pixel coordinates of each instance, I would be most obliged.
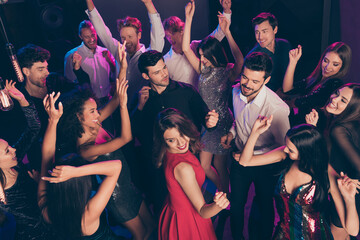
(237, 54)
(32, 119)
(343, 191)
(247, 157)
(101, 29)
(157, 32)
(218, 33)
(91, 152)
(185, 175)
(96, 205)
(190, 55)
(49, 144)
(294, 56)
(114, 102)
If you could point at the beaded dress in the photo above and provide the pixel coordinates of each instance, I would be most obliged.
(215, 89)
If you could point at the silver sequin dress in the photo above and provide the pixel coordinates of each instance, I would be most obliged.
(215, 89)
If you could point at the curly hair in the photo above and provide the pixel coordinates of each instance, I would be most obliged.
(69, 128)
(31, 54)
(173, 118)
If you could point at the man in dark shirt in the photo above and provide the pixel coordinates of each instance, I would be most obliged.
(33, 62)
(163, 93)
(265, 27)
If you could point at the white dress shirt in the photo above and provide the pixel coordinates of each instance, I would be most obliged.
(95, 65)
(133, 74)
(179, 67)
(266, 103)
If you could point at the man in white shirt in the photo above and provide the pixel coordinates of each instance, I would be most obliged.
(96, 61)
(130, 31)
(252, 98)
(179, 67)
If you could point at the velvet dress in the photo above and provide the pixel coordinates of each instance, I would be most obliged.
(179, 219)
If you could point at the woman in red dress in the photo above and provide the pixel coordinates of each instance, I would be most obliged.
(185, 214)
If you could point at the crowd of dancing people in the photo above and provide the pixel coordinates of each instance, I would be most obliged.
(127, 137)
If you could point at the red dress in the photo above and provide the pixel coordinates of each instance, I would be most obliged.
(179, 219)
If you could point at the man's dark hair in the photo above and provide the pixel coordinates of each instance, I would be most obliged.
(148, 59)
(85, 24)
(259, 61)
(265, 16)
(31, 54)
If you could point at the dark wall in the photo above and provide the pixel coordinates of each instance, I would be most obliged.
(350, 26)
(300, 21)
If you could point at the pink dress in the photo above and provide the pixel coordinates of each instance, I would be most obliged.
(179, 219)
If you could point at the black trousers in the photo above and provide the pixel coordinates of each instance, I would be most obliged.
(264, 178)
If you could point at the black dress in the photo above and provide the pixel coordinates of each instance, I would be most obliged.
(21, 198)
(345, 154)
(125, 201)
(312, 97)
(103, 232)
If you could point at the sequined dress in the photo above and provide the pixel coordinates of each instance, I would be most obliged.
(298, 219)
(215, 89)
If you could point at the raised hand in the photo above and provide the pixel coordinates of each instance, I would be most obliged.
(60, 174)
(49, 105)
(261, 124)
(35, 175)
(221, 200)
(226, 140)
(106, 54)
(226, 5)
(347, 187)
(122, 54)
(190, 9)
(295, 54)
(76, 60)
(211, 119)
(143, 97)
(224, 23)
(15, 93)
(312, 117)
(121, 90)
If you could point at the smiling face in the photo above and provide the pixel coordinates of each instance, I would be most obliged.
(339, 101)
(132, 39)
(89, 37)
(175, 39)
(90, 115)
(331, 64)
(37, 74)
(7, 155)
(291, 150)
(176, 143)
(265, 35)
(252, 82)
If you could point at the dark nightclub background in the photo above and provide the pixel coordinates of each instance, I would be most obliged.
(314, 24)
